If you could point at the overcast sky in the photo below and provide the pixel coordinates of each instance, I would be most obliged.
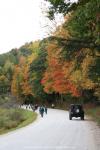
(21, 21)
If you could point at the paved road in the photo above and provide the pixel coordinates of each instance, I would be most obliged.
(54, 132)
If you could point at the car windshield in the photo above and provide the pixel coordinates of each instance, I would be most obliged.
(76, 107)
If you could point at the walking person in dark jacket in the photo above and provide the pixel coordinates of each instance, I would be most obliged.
(45, 109)
(41, 110)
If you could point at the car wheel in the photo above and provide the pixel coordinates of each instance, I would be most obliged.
(82, 118)
(70, 117)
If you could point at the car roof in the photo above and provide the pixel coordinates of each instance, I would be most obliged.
(76, 105)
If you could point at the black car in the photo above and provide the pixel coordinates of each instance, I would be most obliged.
(76, 110)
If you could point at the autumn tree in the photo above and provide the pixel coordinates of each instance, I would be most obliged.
(36, 70)
(56, 79)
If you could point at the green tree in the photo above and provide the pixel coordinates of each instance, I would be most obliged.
(4, 84)
(64, 7)
(85, 22)
(37, 68)
(8, 69)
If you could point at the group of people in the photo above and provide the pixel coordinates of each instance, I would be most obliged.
(42, 110)
(29, 106)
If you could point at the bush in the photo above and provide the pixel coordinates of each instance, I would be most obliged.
(1, 122)
(17, 115)
(11, 124)
(10, 118)
(94, 112)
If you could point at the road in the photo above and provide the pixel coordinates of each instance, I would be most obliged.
(54, 132)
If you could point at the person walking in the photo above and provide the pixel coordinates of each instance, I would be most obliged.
(52, 105)
(41, 110)
(45, 109)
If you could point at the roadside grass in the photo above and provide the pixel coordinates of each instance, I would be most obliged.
(12, 119)
(93, 112)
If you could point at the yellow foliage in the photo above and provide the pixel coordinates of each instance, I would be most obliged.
(68, 68)
(87, 62)
(31, 58)
(87, 84)
(76, 76)
(2, 77)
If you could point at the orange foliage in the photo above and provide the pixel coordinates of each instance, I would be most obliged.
(25, 85)
(20, 83)
(56, 77)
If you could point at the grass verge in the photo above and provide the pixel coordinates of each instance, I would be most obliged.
(12, 119)
(94, 113)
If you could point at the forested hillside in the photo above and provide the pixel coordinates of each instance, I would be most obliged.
(62, 67)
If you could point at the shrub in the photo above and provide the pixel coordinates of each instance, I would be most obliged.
(1, 122)
(10, 124)
(17, 115)
(10, 118)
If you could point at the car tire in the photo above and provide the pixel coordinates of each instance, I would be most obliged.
(70, 117)
(82, 118)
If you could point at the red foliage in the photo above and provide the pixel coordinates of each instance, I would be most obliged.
(54, 79)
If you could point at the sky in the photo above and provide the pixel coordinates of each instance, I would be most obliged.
(22, 21)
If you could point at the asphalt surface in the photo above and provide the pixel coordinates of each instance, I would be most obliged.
(54, 132)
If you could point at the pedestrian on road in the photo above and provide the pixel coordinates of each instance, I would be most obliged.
(26, 106)
(41, 110)
(45, 109)
(52, 105)
(36, 106)
(32, 107)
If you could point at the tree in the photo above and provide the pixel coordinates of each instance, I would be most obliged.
(36, 70)
(85, 22)
(8, 69)
(16, 89)
(4, 85)
(64, 7)
(55, 78)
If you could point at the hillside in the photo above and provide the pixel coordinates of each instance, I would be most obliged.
(61, 68)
